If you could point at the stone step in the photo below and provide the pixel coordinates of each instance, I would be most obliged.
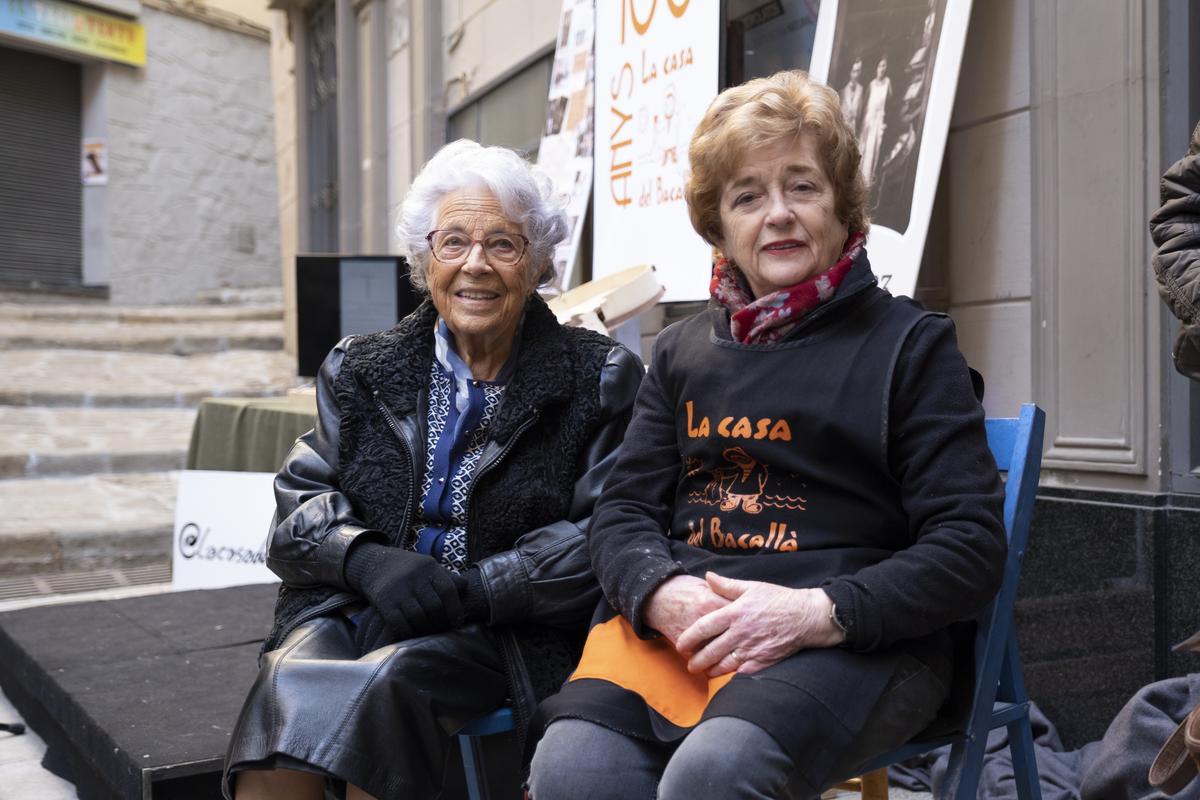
(92, 379)
(56, 442)
(81, 312)
(54, 525)
(177, 338)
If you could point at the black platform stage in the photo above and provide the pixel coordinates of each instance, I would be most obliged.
(137, 698)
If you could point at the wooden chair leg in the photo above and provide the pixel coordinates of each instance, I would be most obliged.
(875, 784)
(871, 785)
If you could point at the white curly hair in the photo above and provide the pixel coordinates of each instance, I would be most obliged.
(524, 193)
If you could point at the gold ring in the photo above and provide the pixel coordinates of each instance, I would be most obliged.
(736, 656)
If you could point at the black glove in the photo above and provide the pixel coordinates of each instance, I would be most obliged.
(413, 593)
(371, 632)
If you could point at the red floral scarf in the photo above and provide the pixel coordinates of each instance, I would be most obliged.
(771, 317)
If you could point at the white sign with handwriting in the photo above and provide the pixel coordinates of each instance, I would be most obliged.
(222, 520)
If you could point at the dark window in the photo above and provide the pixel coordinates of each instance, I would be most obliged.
(511, 114)
(762, 38)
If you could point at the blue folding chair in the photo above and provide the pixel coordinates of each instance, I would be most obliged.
(499, 721)
(999, 699)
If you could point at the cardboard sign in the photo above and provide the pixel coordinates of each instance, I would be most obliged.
(657, 68)
(222, 521)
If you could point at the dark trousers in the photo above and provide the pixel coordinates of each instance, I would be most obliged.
(722, 757)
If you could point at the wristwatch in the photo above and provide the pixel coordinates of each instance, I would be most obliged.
(839, 620)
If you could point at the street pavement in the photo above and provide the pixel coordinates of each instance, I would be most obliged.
(21, 772)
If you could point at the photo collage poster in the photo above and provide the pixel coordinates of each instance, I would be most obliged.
(565, 153)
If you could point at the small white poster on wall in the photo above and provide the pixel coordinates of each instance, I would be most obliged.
(222, 521)
(895, 66)
(657, 67)
(94, 166)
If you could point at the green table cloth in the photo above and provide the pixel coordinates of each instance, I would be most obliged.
(248, 434)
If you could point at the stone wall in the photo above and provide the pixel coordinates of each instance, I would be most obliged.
(986, 189)
(192, 187)
(1107, 587)
(283, 90)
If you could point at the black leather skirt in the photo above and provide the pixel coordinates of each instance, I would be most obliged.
(382, 721)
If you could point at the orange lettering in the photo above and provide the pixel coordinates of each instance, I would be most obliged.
(626, 69)
(638, 25)
(781, 430)
(742, 429)
(696, 432)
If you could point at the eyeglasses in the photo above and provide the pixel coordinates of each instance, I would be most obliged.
(451, 247)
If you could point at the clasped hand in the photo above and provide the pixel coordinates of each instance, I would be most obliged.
(725, 625)
(411, 594)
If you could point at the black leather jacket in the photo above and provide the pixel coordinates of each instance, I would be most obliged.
(550, 448)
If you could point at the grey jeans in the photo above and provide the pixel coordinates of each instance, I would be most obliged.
(721, 757)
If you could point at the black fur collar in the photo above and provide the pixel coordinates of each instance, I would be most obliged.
(396, 363)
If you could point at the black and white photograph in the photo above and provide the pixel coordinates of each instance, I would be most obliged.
(882, 67)
(555, 109)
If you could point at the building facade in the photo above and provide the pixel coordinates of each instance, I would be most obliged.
(1066, 115)
(136, 149)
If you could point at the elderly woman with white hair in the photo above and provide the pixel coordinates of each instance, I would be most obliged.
(430, 529)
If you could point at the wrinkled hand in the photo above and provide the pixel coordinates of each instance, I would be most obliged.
(413, 593)
(762, 625)
(677, 603)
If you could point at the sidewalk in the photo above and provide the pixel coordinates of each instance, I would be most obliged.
(21, 772)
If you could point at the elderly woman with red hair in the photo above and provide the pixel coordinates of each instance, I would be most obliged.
(805, 504)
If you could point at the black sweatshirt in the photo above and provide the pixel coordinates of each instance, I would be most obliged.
(879, 488)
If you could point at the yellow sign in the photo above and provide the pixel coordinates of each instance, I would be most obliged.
(75, 28)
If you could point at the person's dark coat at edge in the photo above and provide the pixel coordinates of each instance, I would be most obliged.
(1175, 228)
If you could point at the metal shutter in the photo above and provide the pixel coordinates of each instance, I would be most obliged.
(40, 192)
